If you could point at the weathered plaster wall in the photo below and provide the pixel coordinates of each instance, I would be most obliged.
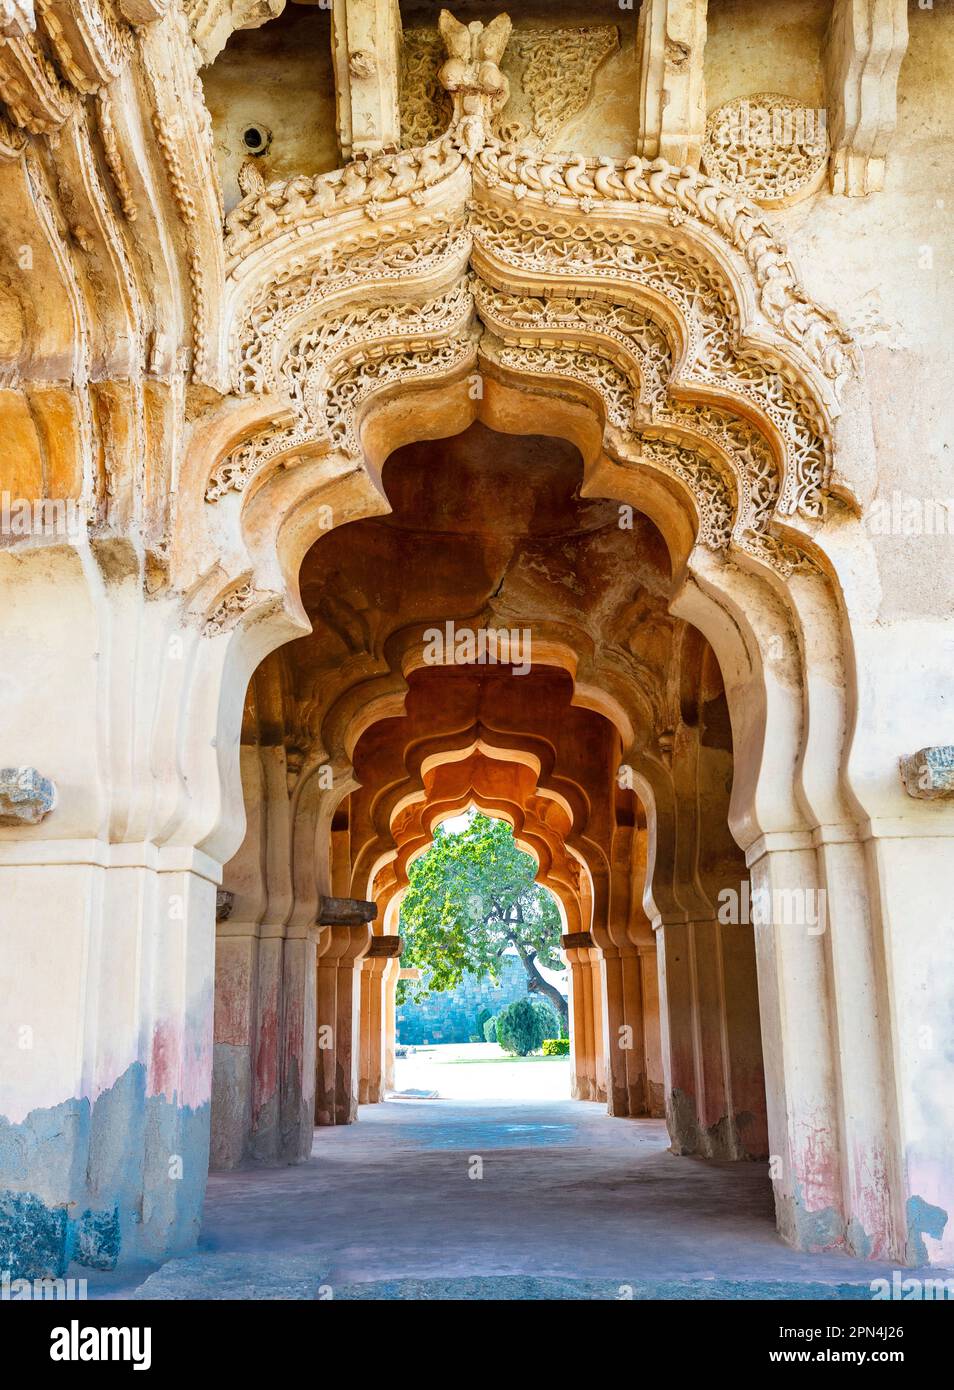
(753, 47)
(279, 76)
(885, 264)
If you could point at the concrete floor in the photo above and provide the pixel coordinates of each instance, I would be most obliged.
(571, 1204)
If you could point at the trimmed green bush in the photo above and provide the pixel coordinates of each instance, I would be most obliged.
(518, 1028)
(490, 1030)
(549, 1023)
(556, 1047)
(521, 1027)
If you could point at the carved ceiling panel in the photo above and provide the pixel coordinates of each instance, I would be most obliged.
(550, 71)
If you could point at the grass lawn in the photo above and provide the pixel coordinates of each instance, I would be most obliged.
(485, 1061)
(482, 1071)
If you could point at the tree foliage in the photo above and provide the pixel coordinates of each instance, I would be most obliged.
(472, 895)
(549, 1020)
(523, 1025)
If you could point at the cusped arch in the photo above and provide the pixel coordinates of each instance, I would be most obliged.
(642, 312)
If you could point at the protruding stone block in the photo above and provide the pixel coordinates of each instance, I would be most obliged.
(866, 43)
(388, 947)
(929, 773)
(671, 40)
(366, 46)
(25, 796)
(345, 912)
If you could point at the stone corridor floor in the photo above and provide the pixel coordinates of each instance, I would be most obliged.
(571, 1204)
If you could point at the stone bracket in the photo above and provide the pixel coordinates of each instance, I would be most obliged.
(346, 912)
(388, 947)
(671, 43)
(576, 941)
(867, 39)
(366, 49)
(25, 796)
(929, 773)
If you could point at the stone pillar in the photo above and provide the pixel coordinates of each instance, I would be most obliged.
(576, 948)
(625, 1026)
(915, 878)
(263, 1061)
(715, 1089)
(617, 1085)
(383, 953)
(330, 941)
(347, 1021)
(391, 977)
(106, 1077)
(652, 1026)
(236, 961)
(597, 988)
(678, 1047)
(366, 987)
(107, 912)
(342, 945)
(799, 1055)
(298, 1037)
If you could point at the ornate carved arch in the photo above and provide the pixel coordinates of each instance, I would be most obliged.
(652, 292)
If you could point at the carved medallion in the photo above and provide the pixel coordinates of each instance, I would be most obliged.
(771, 148)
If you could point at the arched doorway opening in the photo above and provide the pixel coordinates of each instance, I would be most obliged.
(603, 705)
(481, 942)
(727, 435)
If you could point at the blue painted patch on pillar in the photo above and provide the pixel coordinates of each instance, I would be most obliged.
(118, 1182)
(34, 1238)
(816, 1230)
(923, 1220)
(97, 1239)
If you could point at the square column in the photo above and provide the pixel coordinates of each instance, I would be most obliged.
(715, 1089)
(383, 953)
(576, 947)
(106, 964)
(341, 947)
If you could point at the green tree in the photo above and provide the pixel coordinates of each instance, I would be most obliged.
(471, 897)
(522, 1027)
(549, 1020)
